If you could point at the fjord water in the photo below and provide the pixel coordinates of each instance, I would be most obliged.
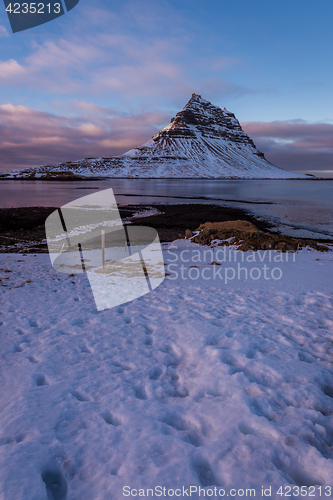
(302, 208)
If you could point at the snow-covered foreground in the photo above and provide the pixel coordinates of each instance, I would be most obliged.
(200, 383)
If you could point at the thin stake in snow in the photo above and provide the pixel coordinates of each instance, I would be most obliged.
(103, 248)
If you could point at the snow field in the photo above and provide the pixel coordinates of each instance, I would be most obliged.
(196, 383)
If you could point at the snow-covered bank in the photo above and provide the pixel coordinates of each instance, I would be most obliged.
(199, 383)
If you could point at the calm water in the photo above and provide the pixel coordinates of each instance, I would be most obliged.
(300, 208)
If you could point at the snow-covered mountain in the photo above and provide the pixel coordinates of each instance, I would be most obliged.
(202, 141)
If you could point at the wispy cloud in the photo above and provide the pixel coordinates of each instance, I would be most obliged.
(31, 138)
(137, 55)
(295, 145)
(3, 31)
(11, 71)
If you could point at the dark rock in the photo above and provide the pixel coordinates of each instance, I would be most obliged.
(268, 245)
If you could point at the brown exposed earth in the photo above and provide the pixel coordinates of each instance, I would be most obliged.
(247, 237)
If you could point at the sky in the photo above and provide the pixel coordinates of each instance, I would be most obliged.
(108, 75)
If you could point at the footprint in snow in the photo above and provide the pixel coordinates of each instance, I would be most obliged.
(155, 373)
(61, 332)
(79, 396)
(85, 348)
(80, 322)
(32, 359)
(175, 421)
(18, 438)
(193, 438)
(111, 419)
(123, 366)
(56, 486)
(204, 473)
(180, 392)
(40, 379)
(251, 353)
(140, 392)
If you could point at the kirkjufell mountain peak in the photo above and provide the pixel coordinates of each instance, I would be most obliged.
(201, 141)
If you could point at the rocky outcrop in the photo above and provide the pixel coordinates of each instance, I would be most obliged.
(247, 237)
(210, 121)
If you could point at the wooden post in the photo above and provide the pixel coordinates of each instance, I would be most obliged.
(103, 248)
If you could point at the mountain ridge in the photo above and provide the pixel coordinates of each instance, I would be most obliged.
(201, 141)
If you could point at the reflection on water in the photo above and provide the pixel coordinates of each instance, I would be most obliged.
(301, 208)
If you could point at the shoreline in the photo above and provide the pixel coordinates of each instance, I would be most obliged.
(22, 229)
(78, 178)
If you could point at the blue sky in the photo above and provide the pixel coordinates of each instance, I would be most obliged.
(108, 75)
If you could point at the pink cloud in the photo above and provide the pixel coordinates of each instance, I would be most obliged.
(295, 130)
(10, 70)
(30, 138)
(295, 145)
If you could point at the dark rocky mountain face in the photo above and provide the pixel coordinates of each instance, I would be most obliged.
(201, 116)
